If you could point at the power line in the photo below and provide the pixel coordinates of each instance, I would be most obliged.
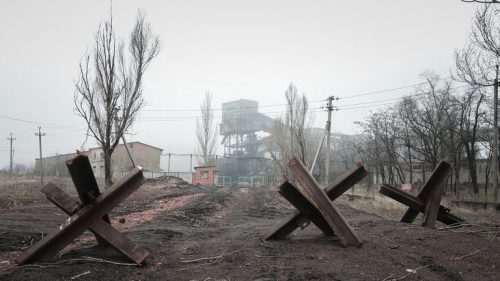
(227, 108)
(216, 156)
(314, 101)
(220, 117)
(16, 119)
(368, 106)
(371, 102)
(387, 90)
(48, 125)
(416, 95)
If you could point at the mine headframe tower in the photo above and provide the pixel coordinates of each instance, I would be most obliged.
(241, 121)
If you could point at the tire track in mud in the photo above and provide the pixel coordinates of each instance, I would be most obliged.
(229, 241)
(135, 219)
(217, 235)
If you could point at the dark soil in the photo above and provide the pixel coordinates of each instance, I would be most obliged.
(200, 233)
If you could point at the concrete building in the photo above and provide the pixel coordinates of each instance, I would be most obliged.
(144, 155)
(54, 166)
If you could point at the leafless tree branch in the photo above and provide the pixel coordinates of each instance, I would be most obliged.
(206, 132)
(108, 92)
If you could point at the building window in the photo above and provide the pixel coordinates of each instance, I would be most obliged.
(204, 174)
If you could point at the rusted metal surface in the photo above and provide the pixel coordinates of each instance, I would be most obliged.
(300, 201)
(285, 227)
(320, 200)
(436, 180)
(418, 205)
(432, 206)
(100, 228)
(62, 200)
(88, 215)
(85, 183)
(333, 190)
(347, 180)
(83, 178)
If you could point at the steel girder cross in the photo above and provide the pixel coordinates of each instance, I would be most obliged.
(428, 200)
(313, 204)
(90, 214)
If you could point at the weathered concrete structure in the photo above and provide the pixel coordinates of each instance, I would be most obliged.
(144, 155)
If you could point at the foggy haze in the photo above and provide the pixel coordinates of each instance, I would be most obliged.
(234, 49)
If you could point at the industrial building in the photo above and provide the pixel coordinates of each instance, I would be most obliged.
(243, 162)
(144, 155)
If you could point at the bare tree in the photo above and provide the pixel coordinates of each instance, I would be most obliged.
(425, 114)
(298, 122)
(384, 130)
(206, 133)
(291, 134)
(475, 63)
(481, 1)
(279, 145)
(471, 115)
(109, 87)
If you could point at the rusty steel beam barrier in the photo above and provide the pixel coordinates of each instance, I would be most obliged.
(419, 205)
(431, 189)
(428, 200)
(334, 189)
(86, 217)
(86, 185)
(314, 204)
(101, 228)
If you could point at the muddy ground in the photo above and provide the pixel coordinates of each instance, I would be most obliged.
(199, 233)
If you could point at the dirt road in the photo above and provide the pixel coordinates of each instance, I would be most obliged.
(197, 233)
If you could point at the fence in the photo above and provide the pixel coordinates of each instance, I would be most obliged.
(222, 180)
(186, 176)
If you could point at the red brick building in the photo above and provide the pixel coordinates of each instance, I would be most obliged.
(204, 175)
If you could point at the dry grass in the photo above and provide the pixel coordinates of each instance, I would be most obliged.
(467, 195)
(27, 188)
(16, 190)
(376, 203)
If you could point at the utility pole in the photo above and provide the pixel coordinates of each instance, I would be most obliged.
(168, 169)
(328, 136)
(191, 163)
(319, 149)
(495, 133)
(11, 155)
(40, 135)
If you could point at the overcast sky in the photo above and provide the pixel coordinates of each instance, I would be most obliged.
(234, 49)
